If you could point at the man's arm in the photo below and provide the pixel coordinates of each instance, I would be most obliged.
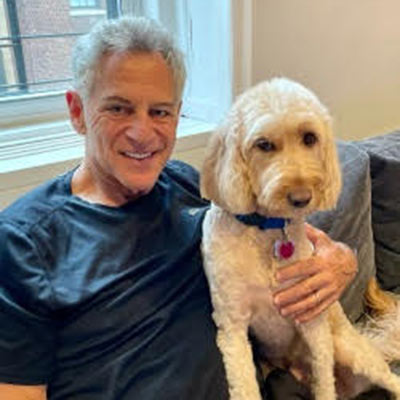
(22, 392)
(322, 278)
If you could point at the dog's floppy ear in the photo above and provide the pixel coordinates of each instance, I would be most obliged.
(332, 173)
(224, 179)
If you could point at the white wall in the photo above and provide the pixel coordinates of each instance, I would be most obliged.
(348, 52)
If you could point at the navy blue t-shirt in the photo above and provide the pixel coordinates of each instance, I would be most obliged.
(108, 303)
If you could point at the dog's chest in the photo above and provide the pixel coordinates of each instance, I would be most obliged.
(241, 264)
(274, 332)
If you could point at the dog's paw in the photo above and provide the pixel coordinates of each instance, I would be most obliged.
(282, 385)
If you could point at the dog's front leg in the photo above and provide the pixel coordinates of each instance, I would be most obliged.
(318, 337)
(232, 340)
(356, 352)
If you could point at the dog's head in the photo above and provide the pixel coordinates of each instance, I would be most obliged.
(274, 154)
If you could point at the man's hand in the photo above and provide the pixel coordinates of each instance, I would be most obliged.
(323, 278)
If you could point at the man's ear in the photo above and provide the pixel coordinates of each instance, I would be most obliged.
(75, 107)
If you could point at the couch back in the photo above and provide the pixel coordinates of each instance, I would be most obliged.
(367, 216)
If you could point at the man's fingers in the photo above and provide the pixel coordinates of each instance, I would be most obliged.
(308, 303)
(300, 290)
(314, 312)
(316, 282)
(299, 270)
(313, 234)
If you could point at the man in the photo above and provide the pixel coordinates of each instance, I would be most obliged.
(102, 292)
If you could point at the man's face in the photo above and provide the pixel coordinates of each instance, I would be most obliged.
(129, 119)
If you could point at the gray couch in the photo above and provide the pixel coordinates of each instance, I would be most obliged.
(367, 218)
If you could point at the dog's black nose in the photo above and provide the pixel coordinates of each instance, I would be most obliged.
(299, 198)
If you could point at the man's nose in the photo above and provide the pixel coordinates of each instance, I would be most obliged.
(139, 127)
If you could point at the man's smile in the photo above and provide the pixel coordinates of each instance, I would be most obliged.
(137, 155)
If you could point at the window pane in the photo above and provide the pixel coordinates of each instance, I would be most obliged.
(36, 42)
(202, 29)
(83, 3)
(8, 74)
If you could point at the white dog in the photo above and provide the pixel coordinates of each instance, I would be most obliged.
(270, 164)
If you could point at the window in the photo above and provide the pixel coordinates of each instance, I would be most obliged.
(35, 43)
(32, 54)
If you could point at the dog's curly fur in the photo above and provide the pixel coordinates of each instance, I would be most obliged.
(275, 155)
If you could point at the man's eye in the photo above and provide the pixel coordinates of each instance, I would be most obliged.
(265, 145)
(159, 113)
(118, 109)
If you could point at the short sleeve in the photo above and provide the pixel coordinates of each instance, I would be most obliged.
(27, 338)
(186, 175)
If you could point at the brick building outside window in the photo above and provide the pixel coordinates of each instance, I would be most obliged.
(36, 37)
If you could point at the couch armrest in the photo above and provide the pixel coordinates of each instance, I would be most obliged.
(384, 154)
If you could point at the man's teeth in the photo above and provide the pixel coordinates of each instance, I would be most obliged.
(138, 156)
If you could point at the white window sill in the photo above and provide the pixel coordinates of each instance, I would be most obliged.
(87, 12)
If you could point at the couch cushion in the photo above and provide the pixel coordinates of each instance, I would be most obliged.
(384, 153)
(350, 222)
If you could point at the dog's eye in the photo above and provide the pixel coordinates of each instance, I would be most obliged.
(309, 139)
(265, 145)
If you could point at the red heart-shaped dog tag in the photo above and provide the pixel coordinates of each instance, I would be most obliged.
(284, 250)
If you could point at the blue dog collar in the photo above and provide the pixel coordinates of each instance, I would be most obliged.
(261, 222)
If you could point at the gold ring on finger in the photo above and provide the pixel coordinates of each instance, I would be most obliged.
(316, 296)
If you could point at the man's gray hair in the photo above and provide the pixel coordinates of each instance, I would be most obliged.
(126, 34)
